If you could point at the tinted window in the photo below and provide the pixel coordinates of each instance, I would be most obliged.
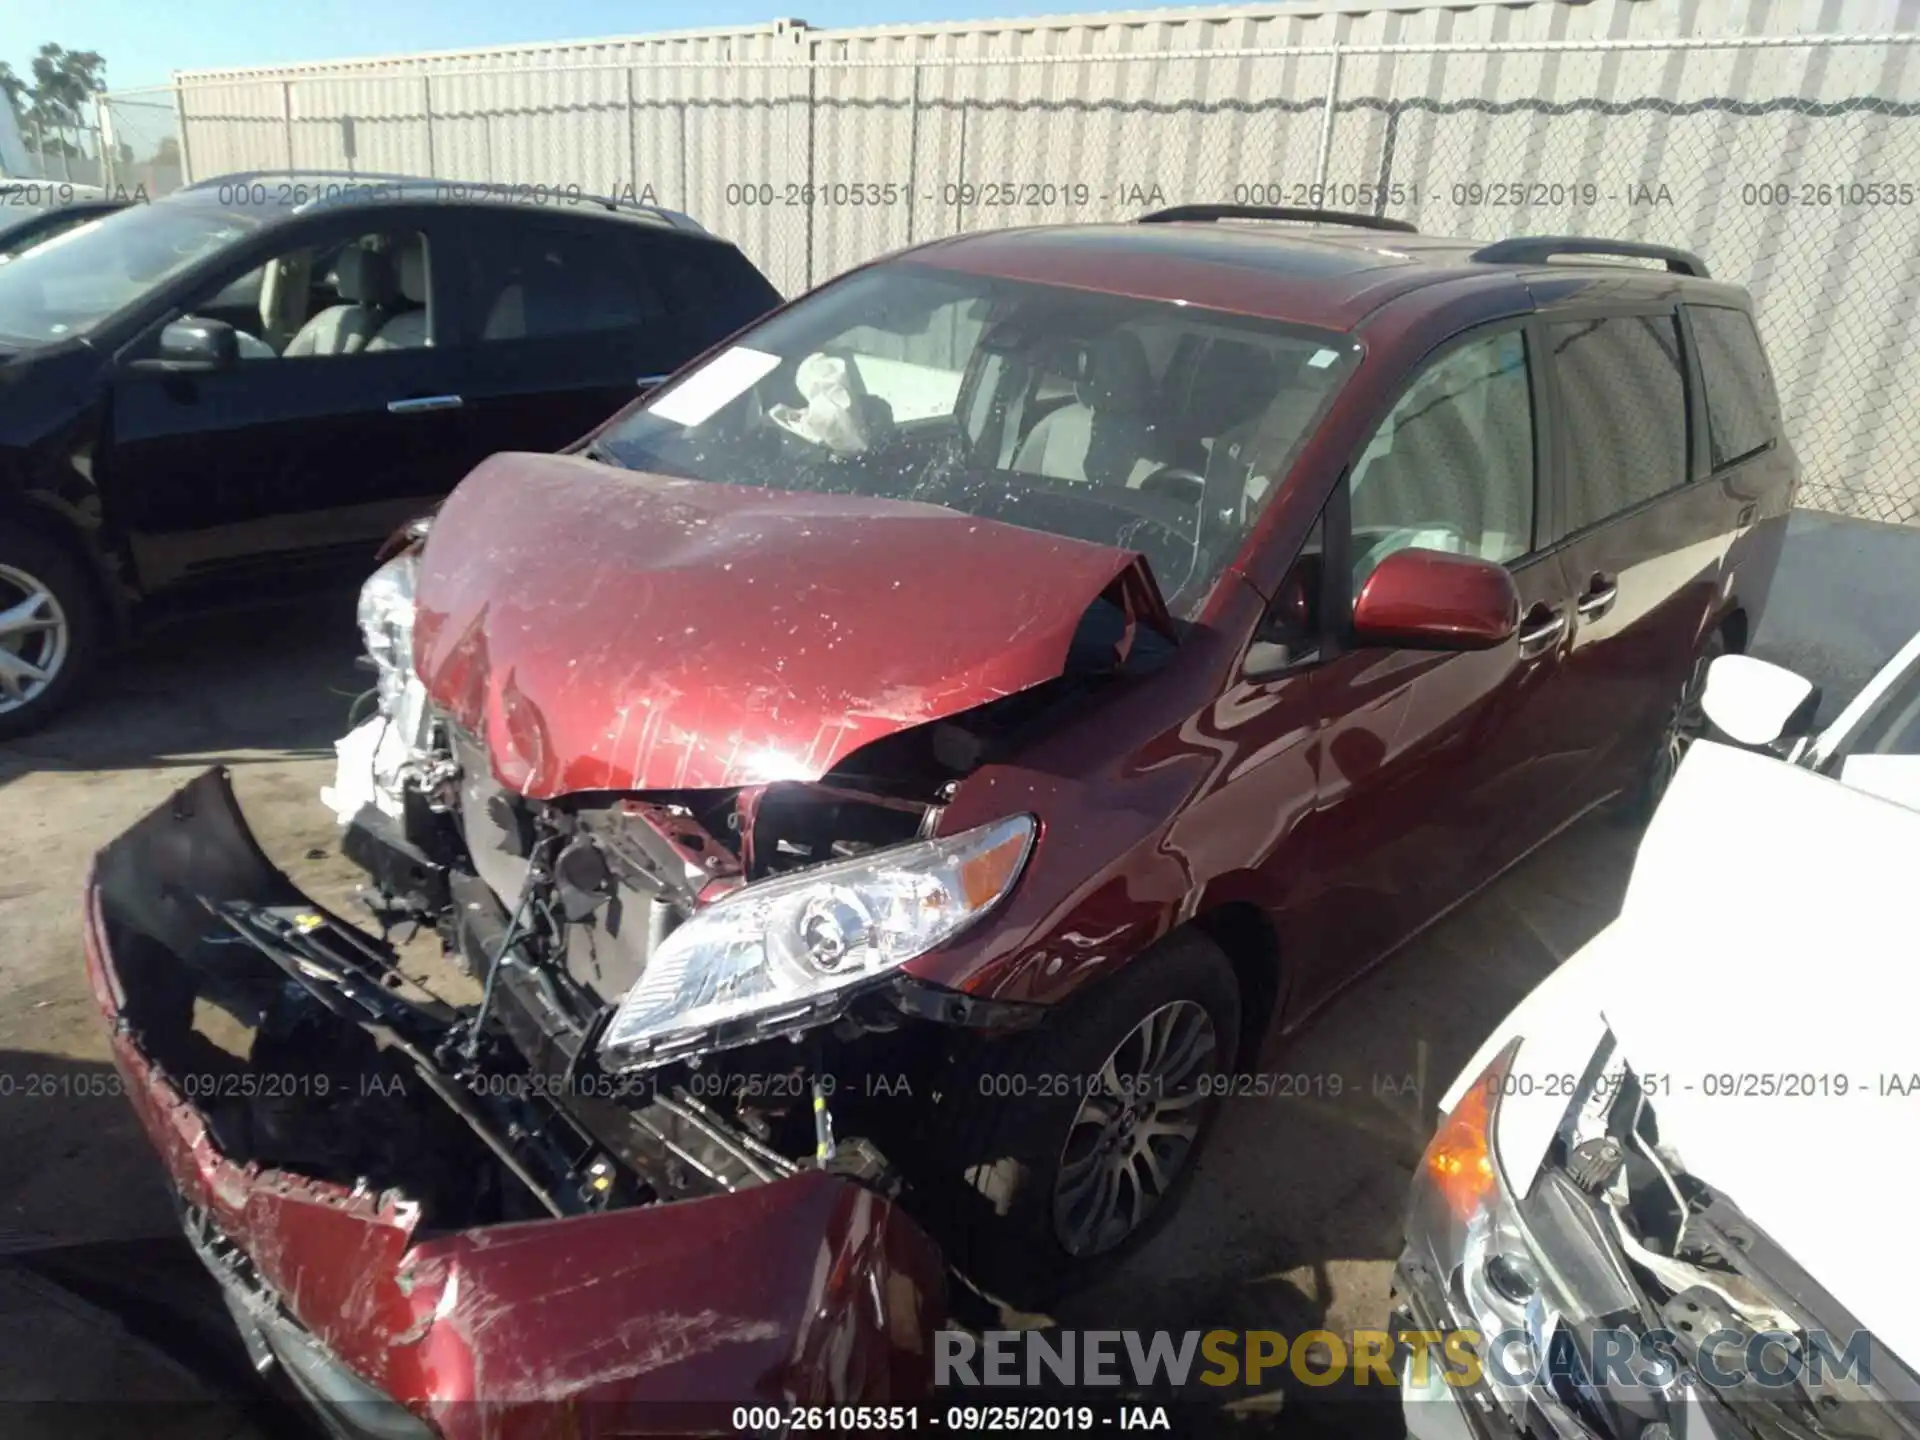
(1742, 413)
(535, 279)
(713, 289)
(1451, 468)
(1624, 400)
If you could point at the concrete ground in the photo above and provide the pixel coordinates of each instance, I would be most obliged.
(1292, 1223)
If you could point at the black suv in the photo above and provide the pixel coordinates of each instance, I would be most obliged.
(260, 376)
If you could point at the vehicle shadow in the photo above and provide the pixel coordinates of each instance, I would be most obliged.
(219, 687)
(1294, 1218)
(111, 1326)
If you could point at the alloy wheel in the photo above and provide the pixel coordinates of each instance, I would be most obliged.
(1135, 1129)
(34, 638)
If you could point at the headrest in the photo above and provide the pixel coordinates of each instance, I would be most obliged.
(363, 277)
(1232, 383)
(411, 264)
(1114, 375)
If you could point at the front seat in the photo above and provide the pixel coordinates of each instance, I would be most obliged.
(1107, 435)
(408, 329)
(364, 281)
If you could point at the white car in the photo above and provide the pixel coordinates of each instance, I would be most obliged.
(1671, 1193)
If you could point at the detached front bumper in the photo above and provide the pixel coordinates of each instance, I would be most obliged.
(652, 1319)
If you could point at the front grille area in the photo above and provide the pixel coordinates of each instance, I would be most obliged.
(494, 820)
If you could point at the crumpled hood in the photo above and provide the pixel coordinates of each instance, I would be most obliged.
(1767, 932)
(603, 629)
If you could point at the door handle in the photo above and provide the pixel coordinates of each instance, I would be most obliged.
(420, 404)
(1601, 593)
(1542, 632)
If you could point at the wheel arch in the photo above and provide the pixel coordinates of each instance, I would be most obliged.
(48, 522)
(1251, 943)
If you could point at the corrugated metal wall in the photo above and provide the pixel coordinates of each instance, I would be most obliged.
(1791, 163)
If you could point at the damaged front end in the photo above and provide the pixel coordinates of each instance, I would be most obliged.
(723, 961)
(431, 1244)
(665, 1150)
(705, 984)
(375, 1177)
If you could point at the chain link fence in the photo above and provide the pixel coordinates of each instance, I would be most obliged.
(61, 154)
(1791, 163)
(139, 141)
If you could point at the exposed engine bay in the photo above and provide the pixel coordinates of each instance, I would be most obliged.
(1616, 1239)
(351, 1072)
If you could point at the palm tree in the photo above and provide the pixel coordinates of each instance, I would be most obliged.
(13, 87)
(64, 82)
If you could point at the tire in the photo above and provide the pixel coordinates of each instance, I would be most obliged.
(49, 630)
(1019, 1159)
(1684, 723)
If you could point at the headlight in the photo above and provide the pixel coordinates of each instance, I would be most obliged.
(784, 946)
(1464, 1224)
(386, 627)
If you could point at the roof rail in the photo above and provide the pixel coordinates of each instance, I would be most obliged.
(241, 177)
(1276, 212)
(1532, 249)
(538, 194)
(674, 219)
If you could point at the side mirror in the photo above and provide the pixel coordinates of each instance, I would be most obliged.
(1756, 703)
(191, 343)
(1431, 600)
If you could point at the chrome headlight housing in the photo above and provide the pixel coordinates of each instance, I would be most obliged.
(1464, 1224)
(791, 947)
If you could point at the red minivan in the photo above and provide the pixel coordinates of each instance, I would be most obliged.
(889, 782)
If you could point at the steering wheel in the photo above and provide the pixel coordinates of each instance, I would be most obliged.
(1408, 537)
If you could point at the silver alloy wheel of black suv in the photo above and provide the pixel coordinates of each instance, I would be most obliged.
(35, 638)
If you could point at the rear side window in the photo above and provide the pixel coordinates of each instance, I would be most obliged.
(1743, 415)
(1623, 399)
(713, 289)
(538, 278)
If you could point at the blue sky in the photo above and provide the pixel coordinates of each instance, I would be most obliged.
(146, 40)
